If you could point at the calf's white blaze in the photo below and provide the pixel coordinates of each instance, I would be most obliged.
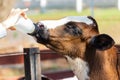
(54, 23)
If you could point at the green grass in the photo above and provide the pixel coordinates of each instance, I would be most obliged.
(98, 13)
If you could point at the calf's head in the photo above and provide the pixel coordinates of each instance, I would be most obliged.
(73, 37)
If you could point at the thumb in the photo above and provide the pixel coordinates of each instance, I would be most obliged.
(24, 15)
(12, 28)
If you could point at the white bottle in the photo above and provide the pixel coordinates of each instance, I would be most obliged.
(25, 25)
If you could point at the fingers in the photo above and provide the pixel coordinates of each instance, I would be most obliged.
(18, 11)
(13, 17)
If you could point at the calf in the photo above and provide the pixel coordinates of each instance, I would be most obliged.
(91, 55)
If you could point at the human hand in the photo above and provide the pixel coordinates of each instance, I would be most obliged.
(13, 18)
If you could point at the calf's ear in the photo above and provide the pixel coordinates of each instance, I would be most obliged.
(102, 42)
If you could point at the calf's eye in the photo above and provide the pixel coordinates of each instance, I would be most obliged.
(73, 29)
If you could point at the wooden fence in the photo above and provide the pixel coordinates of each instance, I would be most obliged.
(31, 57)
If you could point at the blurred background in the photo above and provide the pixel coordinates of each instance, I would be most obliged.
(106, 13)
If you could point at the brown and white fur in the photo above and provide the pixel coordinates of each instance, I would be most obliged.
(91, 55)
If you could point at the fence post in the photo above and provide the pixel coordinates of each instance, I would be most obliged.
(32, 64)
(92, 7)
(118, 4)
(79, 5)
